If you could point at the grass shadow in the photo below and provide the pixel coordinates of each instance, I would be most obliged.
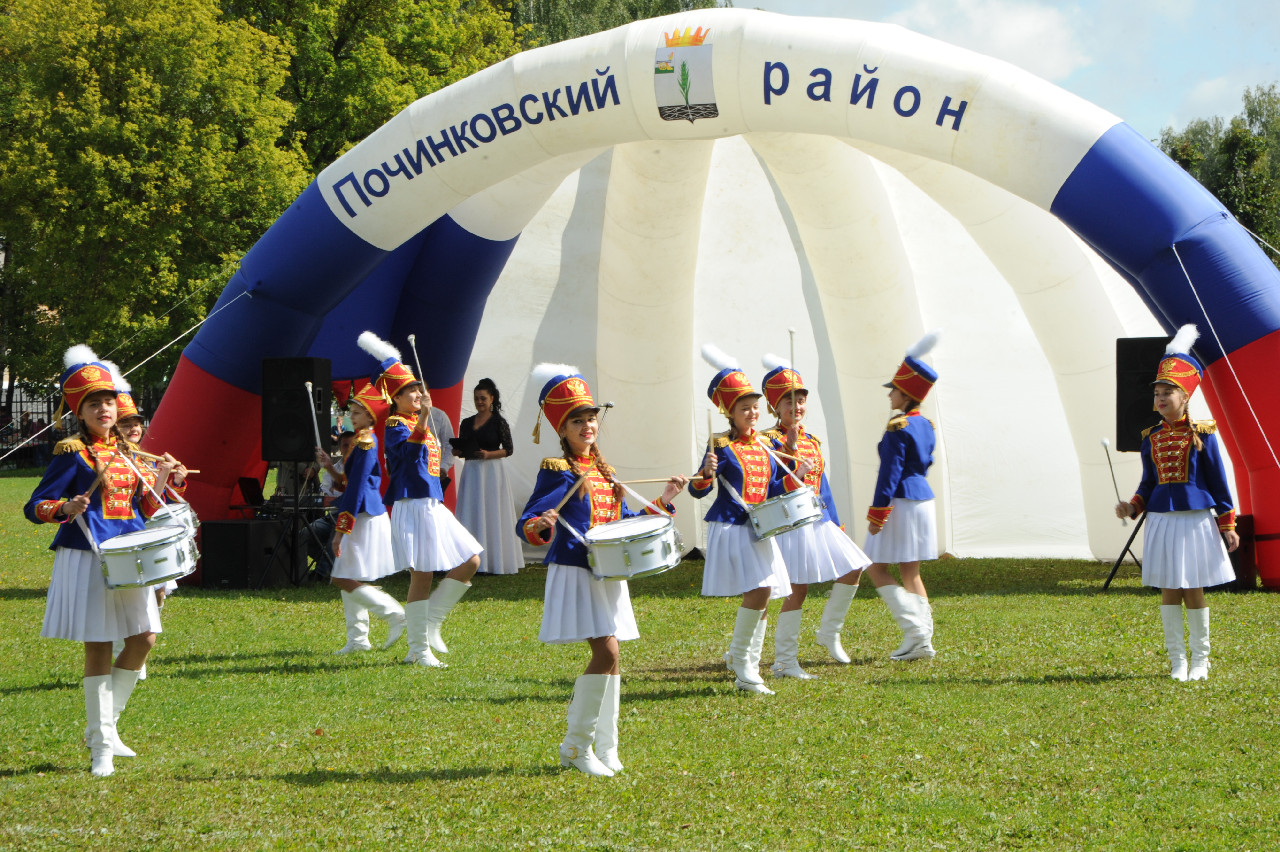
(22, 594)
(38, 769)
(1023, 680)
(319, 777)
(48, 686)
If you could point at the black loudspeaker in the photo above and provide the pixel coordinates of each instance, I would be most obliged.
(1137, 359)
(239, 555)
(288, 433)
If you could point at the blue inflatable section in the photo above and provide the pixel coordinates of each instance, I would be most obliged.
(1131, 203)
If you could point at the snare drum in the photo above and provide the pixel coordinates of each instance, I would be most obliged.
(634, 547)
(179, 514)
(146, 557)
(785, 512)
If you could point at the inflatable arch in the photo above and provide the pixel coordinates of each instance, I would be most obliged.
(834, 122)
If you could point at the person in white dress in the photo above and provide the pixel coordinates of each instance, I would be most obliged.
(485, 504)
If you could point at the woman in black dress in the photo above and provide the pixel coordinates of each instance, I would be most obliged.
(484, 496)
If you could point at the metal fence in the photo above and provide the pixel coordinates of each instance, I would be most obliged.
(26, 441)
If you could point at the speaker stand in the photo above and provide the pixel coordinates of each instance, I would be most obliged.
(1128, 544)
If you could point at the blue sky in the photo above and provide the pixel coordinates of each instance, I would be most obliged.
(1154, 64)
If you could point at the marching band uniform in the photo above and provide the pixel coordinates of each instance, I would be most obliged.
(425, 536)
(1184, 484)
(576, 605)
(902, 509)
(80, 607)
(738, 563)
(365, 527)
(814, 553)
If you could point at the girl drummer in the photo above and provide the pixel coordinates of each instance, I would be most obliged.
(901, 526)
(1184, 484)
(576, 606)
(425, 536)
(362, 535)
(814, 553)
(133, 428)
(94, 495)
(737, 562)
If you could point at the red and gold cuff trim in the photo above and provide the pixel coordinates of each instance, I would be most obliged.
(346, 523)
(48, 510)
(1138, 504)
(877, 515)
(670, 508)
(702, 483)
(533, 535)
(1227, 521)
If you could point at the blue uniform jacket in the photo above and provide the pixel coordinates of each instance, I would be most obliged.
(119, 506)
(906, 453)
(1176, 477)
(738, 460)
(413, 461)
(810, 449)
(555, 478)
(364, 482)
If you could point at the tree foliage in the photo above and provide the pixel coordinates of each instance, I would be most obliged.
(557, 20)
(1238, 160)
(356, 63)
(139, 157)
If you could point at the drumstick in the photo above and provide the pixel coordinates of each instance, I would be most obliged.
(792, 333)
(569, 494)
(311, 406)
(149, 457)
(642, 481)
(421, 378)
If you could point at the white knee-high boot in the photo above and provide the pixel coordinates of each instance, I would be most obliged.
(746, 676)
(922, 619)
(754, 654)
(122, 683)
(1198, 627)
(584, 711)
(357, 625)
(833, 615)
(1174, 644)
(415, 620)
(101, 732)
(447, 593)
(606, 745)
(385, 607)
(896, 598)
(786, 647)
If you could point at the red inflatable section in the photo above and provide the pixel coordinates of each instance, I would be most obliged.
(1253, 452)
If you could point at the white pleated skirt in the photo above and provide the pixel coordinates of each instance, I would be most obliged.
(738, 562)
(819, 552)
(577, 607)
(366, 550)
(81, 608)
(425, 536)
(485, 508)
(1184, 550)
(910, 534)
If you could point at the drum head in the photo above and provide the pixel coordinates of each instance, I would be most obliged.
(628, 528)
(143, 538)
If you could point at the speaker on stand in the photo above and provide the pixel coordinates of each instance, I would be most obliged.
(1137, 359)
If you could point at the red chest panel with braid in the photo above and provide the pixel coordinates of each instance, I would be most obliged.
(756, 469)
(809, 450)
(1170, 450)
(118, 482)
(604, 503)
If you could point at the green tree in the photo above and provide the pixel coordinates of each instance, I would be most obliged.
(558, 20)
(139, 158)
(1238, 161)
(356, 63)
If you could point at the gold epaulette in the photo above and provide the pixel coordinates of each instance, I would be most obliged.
(555, 463)
(1205, 427)
(720, 442)
(397, 420)
(365, 439)
(68, 445)
(896, 423)
(775, 435)
(1147, 431)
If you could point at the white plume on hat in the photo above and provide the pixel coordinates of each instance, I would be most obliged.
(772, 362)
(1183, 341)
(717, 358)
(377, 347)
(546, 371)
(117, 378)
(76, 355)
(925, 345)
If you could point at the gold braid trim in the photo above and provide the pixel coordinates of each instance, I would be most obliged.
(555, 463)
(68, 445)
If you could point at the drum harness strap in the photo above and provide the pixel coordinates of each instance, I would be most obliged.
(84, 528)
(634, 494)
(138, 473)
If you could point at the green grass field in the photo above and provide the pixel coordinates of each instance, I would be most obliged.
(1047, 721)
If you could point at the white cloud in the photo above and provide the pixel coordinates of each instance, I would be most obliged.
(1040, 38)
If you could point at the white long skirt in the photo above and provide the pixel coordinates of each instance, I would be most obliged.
(819, 552)
(1184, 550)
(81, 608)
(425, 536)
(485, 508)
(910, 534)
(366, 550)
(577, 607)
(738, 562)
